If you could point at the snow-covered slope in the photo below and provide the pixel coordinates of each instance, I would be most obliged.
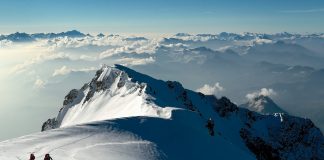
(123, 114)
(183, 137)
(263, 104)
(111, 94)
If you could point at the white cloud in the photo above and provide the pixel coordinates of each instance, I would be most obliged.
(113, 51)
(65, 70)
(137, 47)
(68, 42)
(262, 92)
(5, 43)
(88, 58)
(211, 90)
(175, 46)
(38, 59)
(195, 38)
(62, 48)
(136, 61)
(262, 41)
(61, 71)
(117, 43)
(39, 84)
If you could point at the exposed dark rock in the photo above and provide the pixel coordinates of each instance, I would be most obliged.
(259, 147)
(49, 124)
(224, 107)
(292, 138)
(70, 96)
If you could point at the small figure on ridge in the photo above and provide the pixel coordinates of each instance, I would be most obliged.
(48, 157)
(210, 126)
(32, 157)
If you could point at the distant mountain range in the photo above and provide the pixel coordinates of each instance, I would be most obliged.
(224, 36)
(24, 37)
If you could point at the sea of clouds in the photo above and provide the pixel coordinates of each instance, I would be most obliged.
(35, 75)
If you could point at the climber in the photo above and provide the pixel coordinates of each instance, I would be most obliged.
(210, 126)
(48, 157)
(32, 157)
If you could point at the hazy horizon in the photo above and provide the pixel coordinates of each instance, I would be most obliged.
(161, 17)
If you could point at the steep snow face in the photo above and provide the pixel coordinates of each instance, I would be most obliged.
(111, 94)
(263, 104)
(117, 92)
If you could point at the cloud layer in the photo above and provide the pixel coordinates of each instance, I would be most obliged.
(262, 92)
(211, 89)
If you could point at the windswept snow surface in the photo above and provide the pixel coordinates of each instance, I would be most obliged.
(142, 138)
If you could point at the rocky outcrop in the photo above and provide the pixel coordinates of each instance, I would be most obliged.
(224, 107)
(49, 124)
(282, 137)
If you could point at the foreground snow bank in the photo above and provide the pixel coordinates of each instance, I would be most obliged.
(142, 138)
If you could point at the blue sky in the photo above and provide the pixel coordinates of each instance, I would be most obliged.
(162, 16)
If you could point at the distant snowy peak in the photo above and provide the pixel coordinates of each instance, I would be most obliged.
(73, 33)
(182, 34)
(263, 104)
(100, 35)
(25, 37)
(136, 39)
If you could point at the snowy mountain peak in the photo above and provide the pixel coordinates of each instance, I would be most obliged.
(263, 104)
(100, 35)
(117, 92)
(182, 34)
(114, 92)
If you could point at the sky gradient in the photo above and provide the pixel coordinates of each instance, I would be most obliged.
(163, 16)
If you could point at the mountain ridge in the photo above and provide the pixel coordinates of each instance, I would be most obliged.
(165, 121)
(248, 127)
